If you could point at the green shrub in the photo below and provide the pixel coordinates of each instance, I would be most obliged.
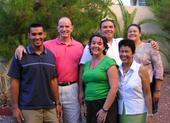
(16, 15)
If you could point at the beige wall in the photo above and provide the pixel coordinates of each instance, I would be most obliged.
(143, 12)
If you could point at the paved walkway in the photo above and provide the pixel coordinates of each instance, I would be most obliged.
(163, 115)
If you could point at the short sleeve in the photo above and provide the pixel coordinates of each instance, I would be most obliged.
(15, 69)
(110, 62)
(53, 71)
(86, 55)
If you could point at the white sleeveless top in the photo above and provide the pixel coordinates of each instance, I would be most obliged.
(130, 91)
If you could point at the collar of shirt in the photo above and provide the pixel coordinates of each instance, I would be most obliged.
(61, 42)
(115, 42)
(132, 67)
(31, 50)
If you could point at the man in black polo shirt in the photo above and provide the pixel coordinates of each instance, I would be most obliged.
(34, 86)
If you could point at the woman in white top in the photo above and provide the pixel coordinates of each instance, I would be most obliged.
(134, 102)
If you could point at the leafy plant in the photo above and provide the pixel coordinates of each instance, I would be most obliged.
(162, 12)
(16, 15)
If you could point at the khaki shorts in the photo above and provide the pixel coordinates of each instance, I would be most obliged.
(40, 116)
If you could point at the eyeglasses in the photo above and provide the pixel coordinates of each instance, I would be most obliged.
(39, 33)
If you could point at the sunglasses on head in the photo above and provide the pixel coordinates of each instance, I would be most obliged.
(107, 19)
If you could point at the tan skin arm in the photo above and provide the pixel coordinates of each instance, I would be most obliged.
(156, 93)
(14, 96)
(81, 94)
(55, 92)
(113, 76)
(146, 90)
(158, 73)
(81, 91)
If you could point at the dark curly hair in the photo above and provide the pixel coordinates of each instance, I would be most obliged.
(101, 35)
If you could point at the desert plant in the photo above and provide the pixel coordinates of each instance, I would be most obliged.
(4, 88)
(161, 10)
(128, 18)
(5, 99)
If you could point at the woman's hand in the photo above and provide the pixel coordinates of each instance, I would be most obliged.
(150, 119)
(101, 116)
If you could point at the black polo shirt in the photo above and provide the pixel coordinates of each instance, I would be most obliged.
(35, 73)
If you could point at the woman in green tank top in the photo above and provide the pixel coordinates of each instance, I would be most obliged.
(100, 77)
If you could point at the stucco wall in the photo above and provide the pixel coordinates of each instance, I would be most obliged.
(143, 12)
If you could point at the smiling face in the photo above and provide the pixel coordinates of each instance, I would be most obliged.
(65, 27)
(126, 54)
(97, 46)
(108, 29)
(37, 36)
(134, 33)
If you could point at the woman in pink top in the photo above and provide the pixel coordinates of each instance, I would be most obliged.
(151, 59)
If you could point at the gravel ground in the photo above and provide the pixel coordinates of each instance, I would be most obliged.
(163, 114)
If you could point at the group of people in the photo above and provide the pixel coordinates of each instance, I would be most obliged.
(52, 81)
